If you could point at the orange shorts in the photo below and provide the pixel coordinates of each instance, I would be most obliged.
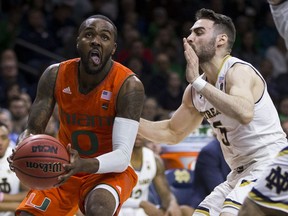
(66, 199)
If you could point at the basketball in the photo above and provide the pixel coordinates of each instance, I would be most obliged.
(38, 161)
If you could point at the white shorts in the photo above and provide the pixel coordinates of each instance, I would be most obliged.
(230, 195)
(271, 190)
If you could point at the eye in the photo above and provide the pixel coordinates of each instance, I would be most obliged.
(4, 137)
(104, 37)
(88, 34)
(198, 32)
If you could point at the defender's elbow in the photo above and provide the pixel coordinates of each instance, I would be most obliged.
(246, 118)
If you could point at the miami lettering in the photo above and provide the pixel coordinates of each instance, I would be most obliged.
(86, 120)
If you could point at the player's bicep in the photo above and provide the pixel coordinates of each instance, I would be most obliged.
(239, 82)
(130, 99)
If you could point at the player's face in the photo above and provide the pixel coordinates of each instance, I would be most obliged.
(4, 140)
(203, 40)
(96, 44)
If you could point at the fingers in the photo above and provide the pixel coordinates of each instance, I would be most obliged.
(10, 161)
(63, 178)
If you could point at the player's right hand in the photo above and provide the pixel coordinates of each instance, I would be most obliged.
(10, 160)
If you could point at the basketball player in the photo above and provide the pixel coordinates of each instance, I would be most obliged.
(12, 192)
(150, 169)
(232, 96)
(270, 195)
(99, 102)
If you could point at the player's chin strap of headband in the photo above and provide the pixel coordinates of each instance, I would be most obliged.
(123, 138)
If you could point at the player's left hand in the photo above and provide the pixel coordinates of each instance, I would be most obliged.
(75, 166)
(192, 67)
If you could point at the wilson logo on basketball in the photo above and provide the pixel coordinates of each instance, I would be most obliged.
(45, 148)
(45, 167)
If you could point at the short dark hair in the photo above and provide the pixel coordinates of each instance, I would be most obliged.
(99, 16)
(223, 22)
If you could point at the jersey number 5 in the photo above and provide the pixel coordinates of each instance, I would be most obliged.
(223, 131)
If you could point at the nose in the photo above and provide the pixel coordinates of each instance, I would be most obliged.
(94, 41)
(190, 38)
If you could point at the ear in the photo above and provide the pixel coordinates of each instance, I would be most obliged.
(114, 49)
(222, 39)
(77, 40)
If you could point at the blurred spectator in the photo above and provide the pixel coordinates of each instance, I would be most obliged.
(278, 55)
(170, 98)
(12, 192)
(283, 108)
(127, 36)
(138, 50)
(151, 109)
(268, 33)
(27, 99)
(243, 25)
(10, 26)
(281, 82)
(161, 71)
(150, 169)
(159, 20)
(13, 90)
(165, 41)
(61, 25)
(36, 33)
(284, 125)
(248, 50)
(238, 8)
(142, 70)
(6, 118)
(210, 170)
(9, 74)
(128, 14)
(105, 7)
(266, 70)
(19, 111)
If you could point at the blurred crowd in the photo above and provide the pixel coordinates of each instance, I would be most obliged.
(36, 33)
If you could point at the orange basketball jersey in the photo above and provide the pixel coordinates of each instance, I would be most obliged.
(86, 120)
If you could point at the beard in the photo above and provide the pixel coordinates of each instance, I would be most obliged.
(207, 52)
(90, 68)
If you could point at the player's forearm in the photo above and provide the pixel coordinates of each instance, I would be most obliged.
(14, 197)
(234, 106)
(158, 132)
(9, 206)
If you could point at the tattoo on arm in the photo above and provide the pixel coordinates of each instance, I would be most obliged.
(130, 101)
(44, 103)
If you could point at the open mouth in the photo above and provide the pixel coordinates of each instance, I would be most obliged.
(95, 56)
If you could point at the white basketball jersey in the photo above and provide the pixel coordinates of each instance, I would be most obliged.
(9, 183)
(145, 175)
(141, 191)
(242, 144)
